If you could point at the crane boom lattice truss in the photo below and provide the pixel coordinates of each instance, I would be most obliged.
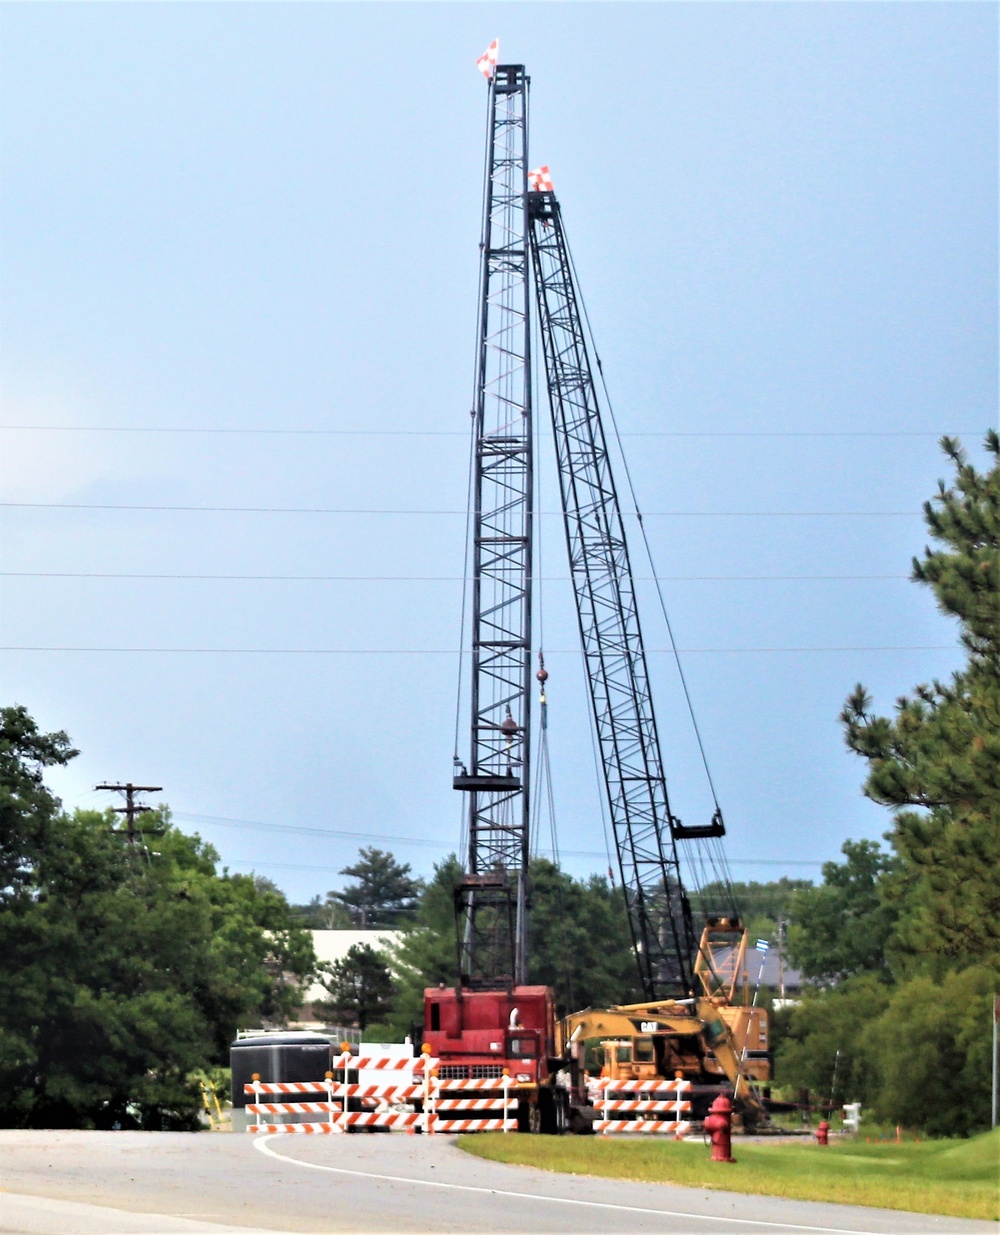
(491, 901)
(645, 831)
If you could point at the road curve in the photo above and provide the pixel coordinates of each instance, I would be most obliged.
(133, 1183)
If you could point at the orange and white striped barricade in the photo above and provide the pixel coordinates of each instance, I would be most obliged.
(641, 1106)
(480, 1105)
(407, 1083)
(296, 1089)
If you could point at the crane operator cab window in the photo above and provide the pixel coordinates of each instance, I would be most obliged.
(522, 1047)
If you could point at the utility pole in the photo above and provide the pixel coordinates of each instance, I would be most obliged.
(132, 809)
(781, 957)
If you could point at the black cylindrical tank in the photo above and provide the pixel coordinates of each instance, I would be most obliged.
(278, 1057)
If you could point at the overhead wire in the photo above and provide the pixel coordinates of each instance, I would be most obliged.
(645, 538)
(203, 509)
(312, 866)
(715, 435)
(885, 647)
(91, 574)
(421, 841)
(544, 789)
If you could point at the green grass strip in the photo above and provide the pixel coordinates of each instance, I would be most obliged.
(957, 1178)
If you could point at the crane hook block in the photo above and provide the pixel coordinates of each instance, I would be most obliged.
(680, 831)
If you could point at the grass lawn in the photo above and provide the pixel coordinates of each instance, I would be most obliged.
(959, 1178)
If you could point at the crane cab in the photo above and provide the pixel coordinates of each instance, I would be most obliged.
(479, 1034)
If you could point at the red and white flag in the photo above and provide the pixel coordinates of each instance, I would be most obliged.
(539, 180)
(487, 62)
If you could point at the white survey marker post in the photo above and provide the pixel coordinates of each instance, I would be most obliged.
(995, 1059)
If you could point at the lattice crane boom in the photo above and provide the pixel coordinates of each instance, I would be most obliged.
(491, 902)
(645, 831)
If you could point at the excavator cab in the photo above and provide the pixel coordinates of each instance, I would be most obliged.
(629, 1059)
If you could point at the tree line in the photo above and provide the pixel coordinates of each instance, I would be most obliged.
(579, 942)
(127, 968)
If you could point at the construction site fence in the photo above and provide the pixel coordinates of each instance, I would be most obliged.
(662, 1107)
(405, 1098)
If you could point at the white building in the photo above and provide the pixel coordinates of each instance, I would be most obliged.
(334, 945)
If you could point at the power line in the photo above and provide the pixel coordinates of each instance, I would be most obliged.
(79, 574)
(897, 647)
(350, 510)
(310, 866)
(259, 825)
(305, 432)
(422, 841)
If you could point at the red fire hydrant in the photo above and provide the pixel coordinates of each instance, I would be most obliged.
(719, 1123)
(823, 1133)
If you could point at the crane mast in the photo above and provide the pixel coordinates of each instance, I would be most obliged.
(491, 901)
(645, 831)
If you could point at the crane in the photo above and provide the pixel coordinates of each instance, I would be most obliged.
(492, 1023)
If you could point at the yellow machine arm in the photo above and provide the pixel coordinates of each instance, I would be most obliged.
(620, 1022)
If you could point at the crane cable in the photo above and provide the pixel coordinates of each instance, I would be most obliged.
(543, 788)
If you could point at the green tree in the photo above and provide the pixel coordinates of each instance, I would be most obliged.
(320, 915)
(427, 954)
(125, 967)
(843, 926)
(580, 943)
(27, 808)
(936, 764)
(761, 904)
(827, 1033)
(384, 892)
(360, 987)
(932, 1044)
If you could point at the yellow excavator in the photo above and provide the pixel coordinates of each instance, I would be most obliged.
(711, 1040)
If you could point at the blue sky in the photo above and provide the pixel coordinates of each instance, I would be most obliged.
(239, 269)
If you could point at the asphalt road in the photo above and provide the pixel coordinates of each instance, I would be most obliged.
(133, 1183)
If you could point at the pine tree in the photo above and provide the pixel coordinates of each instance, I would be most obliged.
(360, 987)
(580, 943)
(383, 894)
(937, 762)
(427, 953)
